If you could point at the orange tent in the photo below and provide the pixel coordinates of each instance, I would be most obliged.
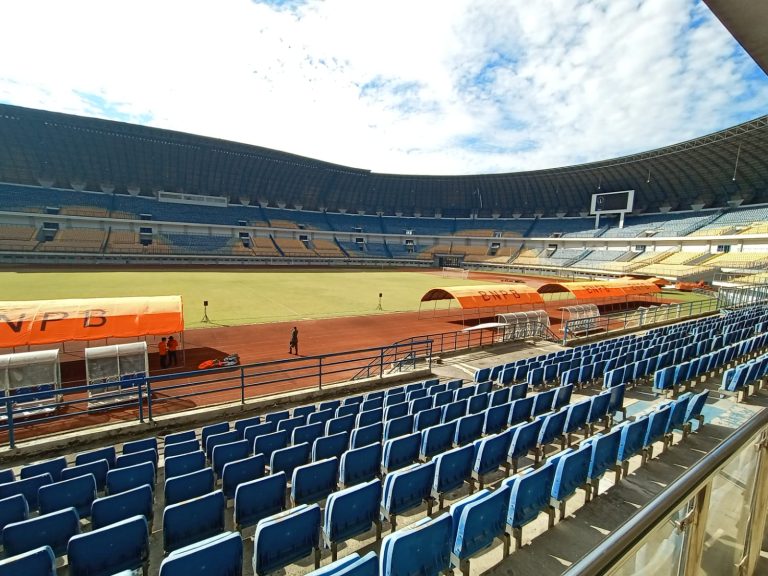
(54, 321)
(601, 289)
(486, 296)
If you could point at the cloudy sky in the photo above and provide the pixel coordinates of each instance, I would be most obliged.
(403, 86)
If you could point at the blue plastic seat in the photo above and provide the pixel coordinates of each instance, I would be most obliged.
(468, 429)
(134, 458)
(259, 499)
(7, 475)
(400, 452)
(444, 398)
(529, 495)
(321, 416)
(695, 407)
(78, 493)
(121, 546)
(212, 429)
(406, 489)
(373, 416)
(351, 512)
(520, 411)
(97, 469)
(496, 418)
(52, 467)
(419, 404)
(453, 410)
(423, 548)
(427, 418)
(329, 405)
(224, 453)
(178, 437)
(251, 432)
(140, 445)
(525, 438)
(122, 479)
(571, 472)
(330, 446)
(371, 404)
(179, 448)
(221, 438)
(53, 529)
(347, 409)
(478, 403)
(463, 393)
(436, 388)
(222, 554)
(239, 471)
(632, 441)
(268, 443)
(552, 429)
(290, 424)
(37, 562)
(452, 469)
(437, 439)
(285, 538)
(13, 509)
(605, 454)
(664, 379)
(499, 397)
(360, 465)
(599, 410)
(370, 434)
(189, 486)
(184, 464)
(518, 392)
(240, 425)
(351, 565)
(276, 417)
(397, 427)
(288, 459)
(307, 433)
(562, 396)
(111, 509)
(657, 428)
(490, 454)
(313, 482)
(395, 411)
(193, 520)
(304, 410)
(543, 402)
(476, 521)
(28, 487)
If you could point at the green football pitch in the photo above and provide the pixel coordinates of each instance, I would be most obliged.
(240, 296)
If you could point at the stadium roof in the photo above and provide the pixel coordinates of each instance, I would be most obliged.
(746, 20)
(64, 151)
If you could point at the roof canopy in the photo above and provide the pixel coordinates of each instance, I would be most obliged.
(54, 321)
(486, 296)
(596, 289)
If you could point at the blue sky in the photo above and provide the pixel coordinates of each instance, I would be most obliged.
(402, 86)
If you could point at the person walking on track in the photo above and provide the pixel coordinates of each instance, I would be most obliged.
(294, 344)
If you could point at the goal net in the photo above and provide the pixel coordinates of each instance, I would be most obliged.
(452, 272)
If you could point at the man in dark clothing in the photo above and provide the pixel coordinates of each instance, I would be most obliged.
(294, 344)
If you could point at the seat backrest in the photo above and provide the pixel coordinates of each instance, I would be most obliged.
(632, 438)
(452, 468)
(400, 452)
(696, 405)
(468, 428)
(28, 487)
(443, 398)
(418, 404)
(52, 467)
(239, 471)
(148, 455)
(251, 432)
(13, 509)
(397, 427)
(657, 425)
(351, 511)
(307, 433)
(179, 448)
(229, 452)
(427, 418)
(139, 445)
(240, 425)
(111, 509)
(290, 424)
(212, 429)
(97, 469)
(499, 397)
(605, 452)
(184, 464)
(577, 416)
(491, 452)
(571, 470)
(329, 405)
(543, 401)
(313, 482)
(599, 408)
(562, 396)
(268, 443)
(360, 464)
(424, 548)
(552, 427)
(530, 493)
(37, 562)
(521, 410)
(79, 493)
(478, 403)
(304, 410)
(395, 410)
(122, 479)
(287, 459)
(257, 499)
(477, 520)
(366, 435)
(53, 529)
(405, 489)
(436, 439)
(192, 520)
(188, 486)
(372, 404)
(221, 438)
(524, 438)
(178, 437)
(369, 417)
(285, 538)
(111, 549)
(453, 410)
(321, 416)
(330, 446)
(341, 424)
(224, 551)
(276, 417)
(464, 393)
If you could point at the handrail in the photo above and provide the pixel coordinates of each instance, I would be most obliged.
(620, 543)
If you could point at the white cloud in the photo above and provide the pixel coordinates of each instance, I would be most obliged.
(428, 87)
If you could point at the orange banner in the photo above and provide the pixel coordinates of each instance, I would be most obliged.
(54, 321)
(601, 289)
(489, 296)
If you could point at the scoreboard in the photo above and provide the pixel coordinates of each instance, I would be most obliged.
(612, 202)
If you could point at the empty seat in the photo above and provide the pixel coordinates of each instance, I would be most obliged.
(437, 439)
(229, 452)
(285, 538)
(258, 499)
(140, 445)
(478, 403)
(543, 402)
(552, 429)
(122, 479)
(423, 548)
(13, 509)
(37, 562)
(342, 424)
(178, 437)
(184, 464)
(330, 446)
(97, 469)
(220, 554)
(366, 435)
(28, 487)
(452, 469)
(105, 551)
(529, 495)
(179, 448)
(53, 529)
(395, 410)
(240, 425)
(7, 475)
(268, 443)
(193, 520)
(400, 452)
(52, 467)
(313, 482)
(351, 565)
(239, 471)
(217, 439)
(576, 419)
(525, 438)
(251, 432)
(125, 460)
(397, 427)
(605, 452)
(454, 410)
(476, 522)
(321, 416)
(290, 424)
(369, 417)
(468, 429)
(79, 493)
(307, 433)
(360, 464)
(657, 428)
(490, 453)
(406, 489)
(520, 411)
(111, 509)
(496, 418)
(427, 418)
(188, 486)
(212, 429)
(571, 472)
(351, 512)
(632, 442)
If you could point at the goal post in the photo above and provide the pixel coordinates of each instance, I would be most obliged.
(454, 272)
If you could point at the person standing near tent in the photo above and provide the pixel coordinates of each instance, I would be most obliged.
(294, 344)
(162, 351)
(173, 345)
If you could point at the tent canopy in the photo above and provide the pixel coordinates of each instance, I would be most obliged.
(54, 321)
(596, 289)
(486, 296)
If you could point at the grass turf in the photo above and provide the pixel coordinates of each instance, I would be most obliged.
(239, 296)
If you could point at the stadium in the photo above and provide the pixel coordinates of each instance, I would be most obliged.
(558, 371)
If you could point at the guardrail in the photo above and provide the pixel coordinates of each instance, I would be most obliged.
(710, 520)
(142, 399)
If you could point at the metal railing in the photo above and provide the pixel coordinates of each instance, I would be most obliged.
(142, 399)
(711, 520)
